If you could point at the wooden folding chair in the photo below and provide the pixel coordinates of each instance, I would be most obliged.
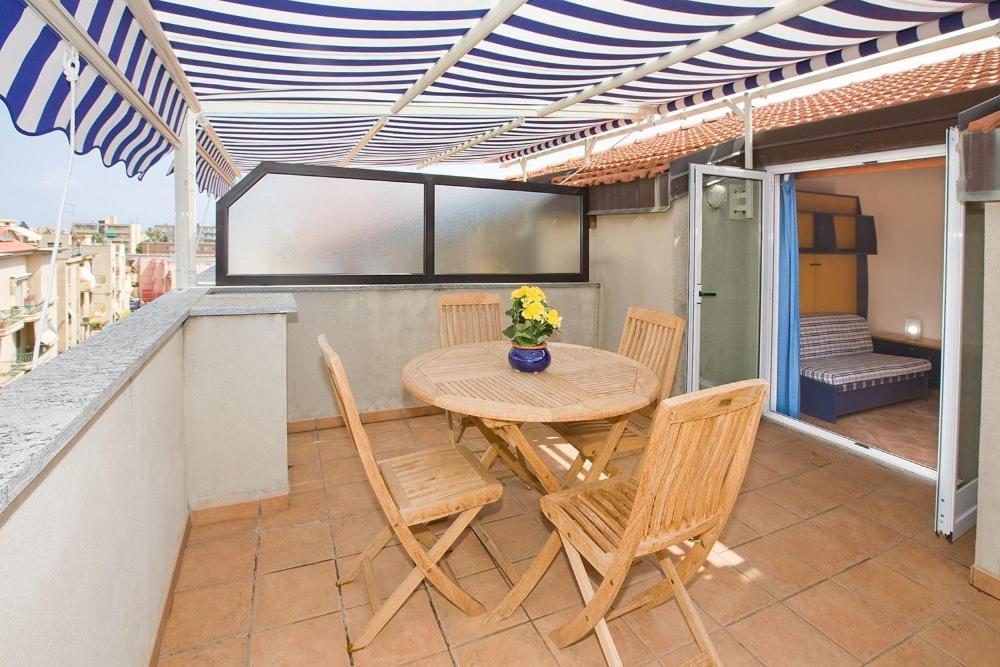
(653, 338)
(684, 491)
(469, 317)
(413, 490)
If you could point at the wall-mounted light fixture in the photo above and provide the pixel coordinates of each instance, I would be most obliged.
(913, 329)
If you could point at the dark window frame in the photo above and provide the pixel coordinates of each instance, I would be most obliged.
(428, 276)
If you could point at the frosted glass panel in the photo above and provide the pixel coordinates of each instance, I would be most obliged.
(290, 224)
(479, 230)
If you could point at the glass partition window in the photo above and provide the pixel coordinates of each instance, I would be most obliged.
(291, 224)
(503, 231)
(305, 224)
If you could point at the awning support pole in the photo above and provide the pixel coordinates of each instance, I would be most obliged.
(185, 194)
(746, 111)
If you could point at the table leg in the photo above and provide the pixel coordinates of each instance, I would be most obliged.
(610, 445)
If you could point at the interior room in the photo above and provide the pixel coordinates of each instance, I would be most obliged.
(870, 284)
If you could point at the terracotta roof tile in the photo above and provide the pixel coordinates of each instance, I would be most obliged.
(16, 246)
(653, 156)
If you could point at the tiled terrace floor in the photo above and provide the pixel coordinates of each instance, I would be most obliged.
(828, 560)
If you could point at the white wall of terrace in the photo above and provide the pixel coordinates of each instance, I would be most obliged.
(106, 449)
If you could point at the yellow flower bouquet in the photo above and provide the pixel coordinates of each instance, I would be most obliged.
(533, 320)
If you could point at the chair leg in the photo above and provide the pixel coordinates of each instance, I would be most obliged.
(595, 610)
(368, 554)
(527, 581)
(456, 426)
(688, 610)
(570, 478)
(447, 587)
(587, 591)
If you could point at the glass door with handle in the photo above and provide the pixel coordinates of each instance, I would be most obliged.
(725, 274)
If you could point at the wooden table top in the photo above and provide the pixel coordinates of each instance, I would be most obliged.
(583, 383)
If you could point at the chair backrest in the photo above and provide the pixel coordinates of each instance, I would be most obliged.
(833, 335)
(698, 453)
(470, 317)
(352, 420)
(653, 338)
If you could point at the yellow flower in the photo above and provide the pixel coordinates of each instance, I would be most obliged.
(520, 292)
(533, 311)
(536, 294)
(552, 317)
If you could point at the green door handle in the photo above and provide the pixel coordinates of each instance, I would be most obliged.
(707, 294)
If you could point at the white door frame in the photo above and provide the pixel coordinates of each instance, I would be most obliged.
(698, 171)
(771, 258)
(956, 507)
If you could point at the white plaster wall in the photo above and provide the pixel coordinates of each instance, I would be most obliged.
(905, 277)
(236, 408)
(377, 330)
(641, 260)
(988, 513)
(87, 552)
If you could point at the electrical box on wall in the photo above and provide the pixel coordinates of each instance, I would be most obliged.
(740, 204)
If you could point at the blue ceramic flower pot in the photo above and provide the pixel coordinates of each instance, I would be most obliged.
(529, 359)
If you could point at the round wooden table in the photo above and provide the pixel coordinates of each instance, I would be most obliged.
(581, 384)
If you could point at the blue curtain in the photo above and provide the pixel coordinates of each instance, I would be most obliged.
(788, 302)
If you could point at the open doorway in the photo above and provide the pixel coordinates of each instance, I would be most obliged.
(870, 275)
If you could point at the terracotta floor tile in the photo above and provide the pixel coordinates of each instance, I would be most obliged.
(293, 595)
(797, 498)
(914, 652)
(869, 537)
(317, 641)
(351, 499)
(736, 533)
(919, 492)
(729, 650)
(759, 475)
(587, 651)
(442, 659)
(519, 537)
(305, 476)
(390, 566)
(900, 596)
(966, 638)
(304, 507)
(930, 569)
(728, 595)
(468, 556)
(339, 433)
(353, 532)
(818, 548)
(427, 421)
(222, 529)
(228, 653)
(662, 629)
(986, 608)
(779, 638)
(334, 450)
(963, 551)
(343, 471)
(782, 461)
(411, 634)
(302, 454)
(489, 588)
(772, 568)
(857, 625)
(892, 512)
(761, 514)
(833, 483)
(218, 561)
(557, 589)
(520, 645)
(283, 548)
(394, 443)
(208, 614)
(508, 506)
(301, 438)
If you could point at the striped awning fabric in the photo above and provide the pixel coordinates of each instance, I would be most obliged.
(388, 83)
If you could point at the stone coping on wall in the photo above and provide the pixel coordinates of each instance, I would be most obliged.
(41, 412)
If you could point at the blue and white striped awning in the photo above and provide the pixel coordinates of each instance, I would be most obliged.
(390, 83)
